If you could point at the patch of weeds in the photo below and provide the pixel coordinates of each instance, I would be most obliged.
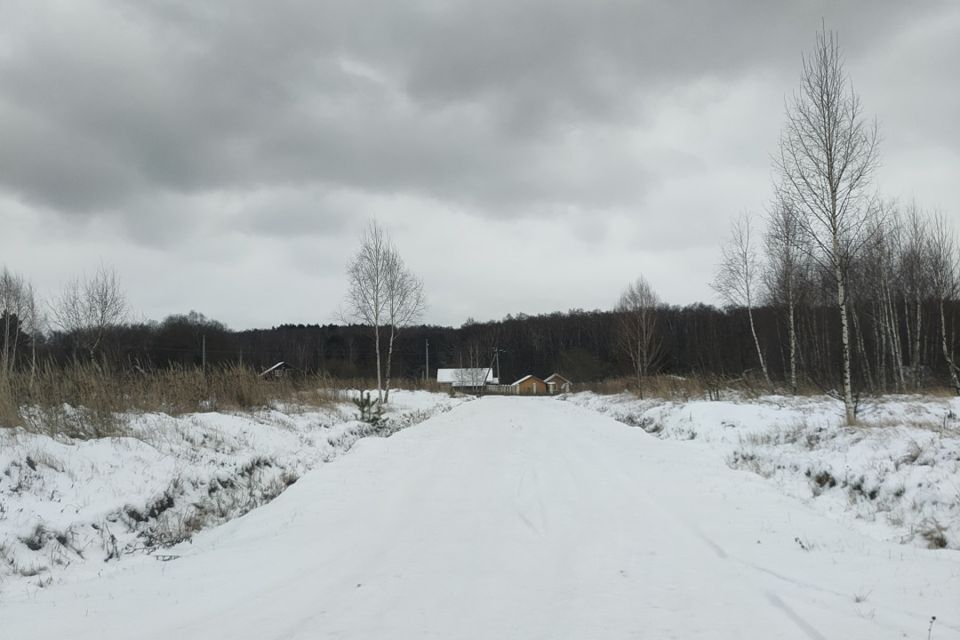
(171, 530)
(153, 510)
(812, 439)
(36, 540)
(861, 596)
(913, 453)
(934, 533)
(749, 460)
(822, 480)
(858, 488)
(255, 464)
(647, 423)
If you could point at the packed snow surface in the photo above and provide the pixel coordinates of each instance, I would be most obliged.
(69, 507)
(895, 475)
(517, 518)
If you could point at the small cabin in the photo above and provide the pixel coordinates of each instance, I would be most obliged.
(529, 386)
(556, 383)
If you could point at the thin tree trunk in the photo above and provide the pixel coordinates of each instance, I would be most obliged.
(756, 342)
(792, 330)
(863, 350)
(848, 405)
(393, 333)
(896, 353)
(376, 333)
(916, 343)
(5, 363)
(638, 366)
(33, 360)
(951, 365)
(12, 362)
(878, 341)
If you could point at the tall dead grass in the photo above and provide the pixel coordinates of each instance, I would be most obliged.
(87, 401)
(660, 387)
(682, 388)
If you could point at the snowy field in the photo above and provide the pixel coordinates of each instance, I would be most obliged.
(896, 476)
(71, 509)
(523, 518)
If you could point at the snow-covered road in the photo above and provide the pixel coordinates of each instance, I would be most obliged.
(516, 518)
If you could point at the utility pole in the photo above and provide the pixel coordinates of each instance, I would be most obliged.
(426, 371)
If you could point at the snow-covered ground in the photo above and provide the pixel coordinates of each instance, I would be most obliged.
(71, 508)
(896, 476)
(517, 518)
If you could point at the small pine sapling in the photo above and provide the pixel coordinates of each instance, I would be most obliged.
(371, 410)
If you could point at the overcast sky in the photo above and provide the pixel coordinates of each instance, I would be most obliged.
(526, 156)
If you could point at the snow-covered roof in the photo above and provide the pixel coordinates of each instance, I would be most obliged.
(555, 376)
(466, 377)
(524, 379)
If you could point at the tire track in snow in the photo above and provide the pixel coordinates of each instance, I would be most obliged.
(717, 555)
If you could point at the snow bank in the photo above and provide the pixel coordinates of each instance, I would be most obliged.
(897, 475)
(74, 504)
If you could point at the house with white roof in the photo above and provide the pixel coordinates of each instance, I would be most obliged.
(470, 378)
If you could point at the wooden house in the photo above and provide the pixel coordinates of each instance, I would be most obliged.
(556, 383)
(529, 386)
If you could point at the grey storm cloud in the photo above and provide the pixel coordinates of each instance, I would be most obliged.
(287, 119)
(450, 100)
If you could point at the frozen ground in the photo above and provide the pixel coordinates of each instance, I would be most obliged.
(896, 476)
(71, 508)
(517, 518)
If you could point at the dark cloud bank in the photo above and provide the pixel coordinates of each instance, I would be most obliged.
(224, 155)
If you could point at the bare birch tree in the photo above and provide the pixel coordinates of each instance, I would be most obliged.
(405, 303)
(737, 278)
(787, 268)
(367, 297)
(914, 270)
(17, 308)
(880, 280)
(828, 155)
(638, 333)
(88, 307)
(944, 255)
(35, 322)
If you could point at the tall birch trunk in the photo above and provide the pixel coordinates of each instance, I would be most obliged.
(386, 394)
(951, 365)
(756, 343)
(5, 361)
(848, 405)
(792, 330)
(916, 341)
(863, 350)
(376, 333)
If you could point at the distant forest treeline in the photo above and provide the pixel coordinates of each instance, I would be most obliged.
(583, 345)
